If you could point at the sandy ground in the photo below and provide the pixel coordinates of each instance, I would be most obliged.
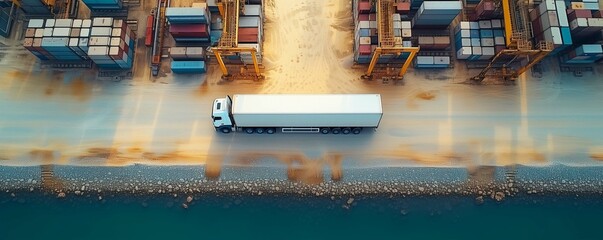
(430, 120)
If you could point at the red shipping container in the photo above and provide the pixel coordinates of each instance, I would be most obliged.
(373, 17)
(403, 7)
(364, 49)
(363, 17)
(364, 7)
(583, 13)
(248, 35)
(189, 30)
(537, 26)
(597, 14)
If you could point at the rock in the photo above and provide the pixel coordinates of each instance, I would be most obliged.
(185, 206)
(350, 201)
(189, 199)
(479, 200)
(34, 181)
(421, 189)
(78, 192)
(403, 212)
(499, 196)
(12, 195)
(61, 195)
(100, 198)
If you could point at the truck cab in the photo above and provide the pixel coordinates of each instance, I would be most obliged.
(221, 114)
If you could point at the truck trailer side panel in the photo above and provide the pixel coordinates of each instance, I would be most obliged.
(307, 110)
(308, 120)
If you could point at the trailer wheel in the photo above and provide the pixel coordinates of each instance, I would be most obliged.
(356, 130)
(249, 130)
(325, 130)
(346, 131)
(270, 130)
(336, 130)
(259, 130)
(225, 129)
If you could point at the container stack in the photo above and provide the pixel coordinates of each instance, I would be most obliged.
(432, 62)
(103, 4)
(584, 54)
(111, 44)
(550, 24)
(366, 37)
(586, 20)
(437, 14)
(187, 60)
(433, 42)
(251, 32)
(60, 39)
(189, 24)
(479, 40)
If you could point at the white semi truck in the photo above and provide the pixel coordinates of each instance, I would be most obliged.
(297, 113)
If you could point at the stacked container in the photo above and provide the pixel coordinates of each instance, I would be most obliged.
(180, 67)
(434, 42)
(479, 40)
(251, 32)
(550, 24)
(584, 54)
(366, 37)
(189, 24)
(585, 20)
(432, 62)
(103, 4)
(437, 14)
(60, 39)
(111, 43)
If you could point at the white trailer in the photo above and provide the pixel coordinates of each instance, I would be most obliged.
(297, 113)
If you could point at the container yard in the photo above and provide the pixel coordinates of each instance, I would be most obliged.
(378, 108)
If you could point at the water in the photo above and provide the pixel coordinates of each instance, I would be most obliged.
(288, 217)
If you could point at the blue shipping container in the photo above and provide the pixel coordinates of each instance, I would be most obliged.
(188, 66)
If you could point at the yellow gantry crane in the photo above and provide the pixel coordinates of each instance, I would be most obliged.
(228, 44)
(517, 35)
(387, 41)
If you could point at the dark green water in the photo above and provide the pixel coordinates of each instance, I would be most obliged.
(286, 217)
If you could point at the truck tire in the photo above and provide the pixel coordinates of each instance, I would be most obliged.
(356, 130)
(346, 131)
(259, 130)
(270, 130)
(325, 130)
(249, 130)
(336, 130)
(225, 129)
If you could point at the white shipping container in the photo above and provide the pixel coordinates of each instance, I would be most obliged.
(63, 23)
(463, 53)
(364, 24)
(487, 42)
(463, 25)
(476, 51)
(441, 60)
(397, 17)
(77, 23)
(249, 21)
(35, 23)
(47, 32)
(474, 25)
(397, 25)
(365, 40)
(547, 5)
(562, 14)
(178, 52)
(425, 60)
(499, 41)
(197, 52)
(101, 31)
(595, 22)
(85, 32)
(102, 22)
(99, 41)
(465, 33)
(406, 33)
(466, 42)
(49, 23)
(406, 24)
(94, 51)
(496, 23)
(373, 24)
(39, 33)
(579, 23)
(475, 42)
(407, 43)
(61, 32)
(252, 10)
(86, 23)
(485, 24)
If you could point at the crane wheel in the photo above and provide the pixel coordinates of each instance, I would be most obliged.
(259, 130)
(356, 130)
(270, 130)
(249, 130)
(346, 131)
(336, 130)
(325, 130)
